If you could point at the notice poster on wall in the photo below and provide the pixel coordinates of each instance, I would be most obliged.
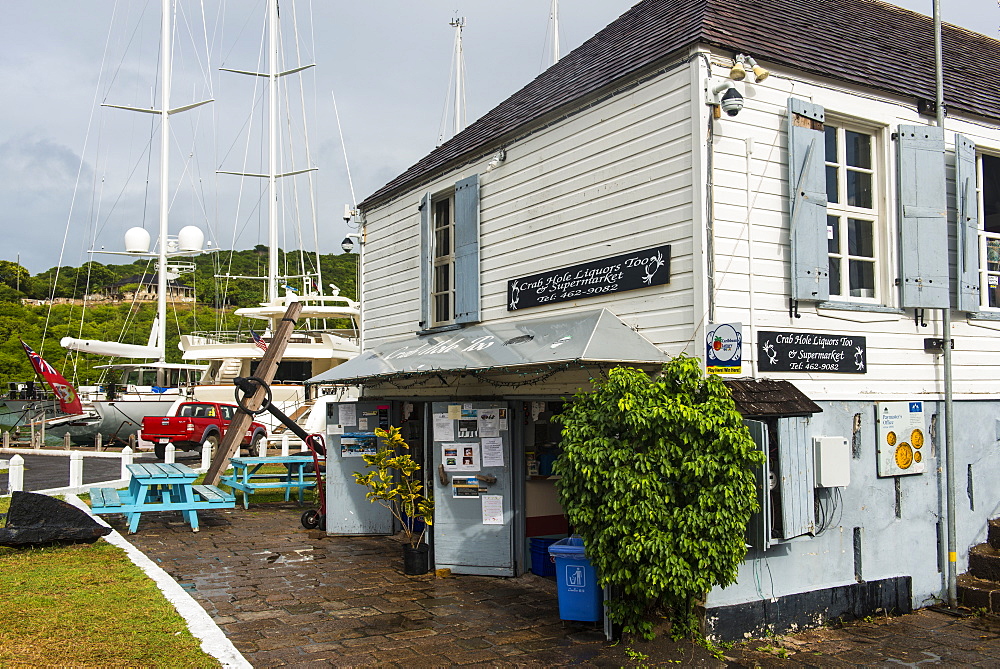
(492, 452)
(502, 414)
(902, 440)
(465, 487)
(348, 414)
(460, 457)
(492, 509)
(444, 427)
(489, 422)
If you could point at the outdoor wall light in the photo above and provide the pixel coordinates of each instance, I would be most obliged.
(739, 72)
(759, 73)
(739, 69)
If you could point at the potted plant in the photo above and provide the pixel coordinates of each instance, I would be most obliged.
(393, 483)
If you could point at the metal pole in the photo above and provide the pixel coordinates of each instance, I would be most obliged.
(272, 179)
(949, 408)
(161, 284)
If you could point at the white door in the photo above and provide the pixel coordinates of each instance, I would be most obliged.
(473, 487)
(350, 431)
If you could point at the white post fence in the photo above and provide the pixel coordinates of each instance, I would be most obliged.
(127, 457)
(15, 474)
(284, 445)
(171, 453)
(76, 469)
(206, 455)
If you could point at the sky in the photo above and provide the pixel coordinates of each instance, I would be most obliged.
(74, 175)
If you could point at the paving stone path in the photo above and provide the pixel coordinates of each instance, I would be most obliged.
(285, 595)
(288, 596)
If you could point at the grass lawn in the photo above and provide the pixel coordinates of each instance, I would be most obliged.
(87, 605)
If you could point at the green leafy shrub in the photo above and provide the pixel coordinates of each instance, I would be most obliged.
(656, 478)
(392, 482)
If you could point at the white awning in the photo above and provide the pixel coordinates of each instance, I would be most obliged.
(586, 337)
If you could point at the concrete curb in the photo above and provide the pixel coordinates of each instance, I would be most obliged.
(213, 640)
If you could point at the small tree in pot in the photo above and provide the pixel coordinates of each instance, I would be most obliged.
(392, 481)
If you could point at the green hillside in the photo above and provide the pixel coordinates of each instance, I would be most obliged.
(42, 326)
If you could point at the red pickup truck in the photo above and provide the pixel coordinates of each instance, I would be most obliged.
(196, 424)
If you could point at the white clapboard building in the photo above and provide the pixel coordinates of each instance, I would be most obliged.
(801, 229)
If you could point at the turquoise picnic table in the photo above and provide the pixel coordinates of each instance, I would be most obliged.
(248, 478)
(160, 487)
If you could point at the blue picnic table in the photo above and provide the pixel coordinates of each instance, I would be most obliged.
(160, 487)
(248, 478)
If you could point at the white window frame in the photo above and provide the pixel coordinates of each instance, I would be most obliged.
(880, 259)
(445, 259)
(986, 239)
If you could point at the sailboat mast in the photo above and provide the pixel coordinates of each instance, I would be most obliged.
(161, 270)
(272, 178)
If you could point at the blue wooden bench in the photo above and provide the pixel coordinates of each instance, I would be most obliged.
(160, 487)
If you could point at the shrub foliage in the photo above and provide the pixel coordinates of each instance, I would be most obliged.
(656, 478)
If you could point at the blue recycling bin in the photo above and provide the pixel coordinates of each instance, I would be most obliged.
(579, 593)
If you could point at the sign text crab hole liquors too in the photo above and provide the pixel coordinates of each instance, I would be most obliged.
(811, 352)
(639, 269)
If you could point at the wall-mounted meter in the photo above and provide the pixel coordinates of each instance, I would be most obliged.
(833, 462)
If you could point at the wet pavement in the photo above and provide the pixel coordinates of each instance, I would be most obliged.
(288, 596)
(285, 595)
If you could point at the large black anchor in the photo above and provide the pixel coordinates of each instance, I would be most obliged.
(246, 387)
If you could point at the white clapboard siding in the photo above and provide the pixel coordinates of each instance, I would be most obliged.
(612, 179)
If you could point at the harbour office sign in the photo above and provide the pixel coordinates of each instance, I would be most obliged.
(638, 269)
(811, 352)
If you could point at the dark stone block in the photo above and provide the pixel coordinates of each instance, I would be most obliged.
(809, 609)
(35, 520)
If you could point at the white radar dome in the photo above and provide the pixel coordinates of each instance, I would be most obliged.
(191, 238)
(137, 240)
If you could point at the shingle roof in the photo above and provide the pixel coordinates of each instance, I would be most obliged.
(863, 42)
(762, 398)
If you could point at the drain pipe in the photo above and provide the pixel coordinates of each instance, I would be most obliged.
(949, 408)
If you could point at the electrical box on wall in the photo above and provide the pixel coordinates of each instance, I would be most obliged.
(833, 462)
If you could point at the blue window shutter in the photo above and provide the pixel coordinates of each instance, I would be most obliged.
(467, 250)
(923, 221)
(797, 478)
(759, 528)
(967, 224)
(426, 270)
(810, 269)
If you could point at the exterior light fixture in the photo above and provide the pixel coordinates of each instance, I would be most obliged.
(759, 73)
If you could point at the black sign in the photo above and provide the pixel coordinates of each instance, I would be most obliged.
(639, 269)
(811, 352)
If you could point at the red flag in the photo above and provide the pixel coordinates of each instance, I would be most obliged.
(69, 401)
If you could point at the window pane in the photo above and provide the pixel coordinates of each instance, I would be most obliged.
(442, 242)
(835, 276)
(442, 278)
(833, 234)
(859, 189)
(993, 290)
(859, 149)
(442, 308)
(831, 144)
(859, 238)
(832, 189)
(862, 278)
(442, 214)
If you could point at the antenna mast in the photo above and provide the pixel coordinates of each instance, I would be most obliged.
(554, 17)
(459, 23)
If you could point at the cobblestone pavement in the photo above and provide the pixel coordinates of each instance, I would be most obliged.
(288, 596)
(285, 595)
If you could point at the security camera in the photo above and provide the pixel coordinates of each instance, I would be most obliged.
(732, 102)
